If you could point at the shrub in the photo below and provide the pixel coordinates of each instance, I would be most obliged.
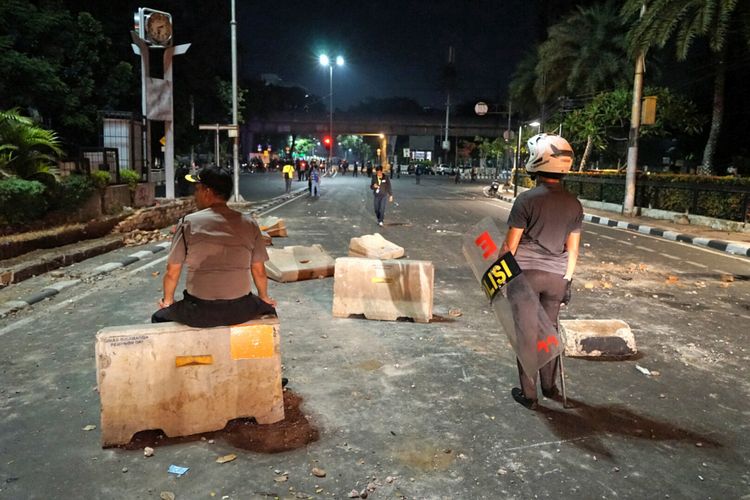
(75, 190)
(101, 179)
(21, 201)
(131, 178)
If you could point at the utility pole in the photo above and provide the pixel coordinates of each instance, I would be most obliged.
(628, 205)
(449, 82)
(235, 120)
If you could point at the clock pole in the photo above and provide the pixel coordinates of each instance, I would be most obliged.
(154, 29)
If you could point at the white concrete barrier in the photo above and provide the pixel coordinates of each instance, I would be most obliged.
(273, 226)
(597, 338)
(374, 246)
(186, 380)
(383, 289)
(297, 263)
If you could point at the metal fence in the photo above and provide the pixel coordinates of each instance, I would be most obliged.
(730, 202)
(106, 159)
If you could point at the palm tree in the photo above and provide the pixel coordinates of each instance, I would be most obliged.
(27, 150)
(719, 21)
(522, 84)
(583, 54)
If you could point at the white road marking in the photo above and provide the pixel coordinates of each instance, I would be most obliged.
(627, 243)
(695, 264)
(50, 309)
(150, 264)
(645, 249)
(607, 237)
(670, 256)
(733, 248)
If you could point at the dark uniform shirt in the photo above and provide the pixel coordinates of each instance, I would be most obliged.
(547, 214)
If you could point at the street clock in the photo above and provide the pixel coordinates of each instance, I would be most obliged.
(154, 26)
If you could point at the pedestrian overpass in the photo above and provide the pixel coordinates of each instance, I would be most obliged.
(383, 126)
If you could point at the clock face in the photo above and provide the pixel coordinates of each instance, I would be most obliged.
(159, 28)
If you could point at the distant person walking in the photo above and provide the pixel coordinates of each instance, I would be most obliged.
(418, 173)
(315, 182)
(381, 188)
(288, 173)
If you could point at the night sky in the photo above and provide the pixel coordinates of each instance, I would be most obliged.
(392, 48)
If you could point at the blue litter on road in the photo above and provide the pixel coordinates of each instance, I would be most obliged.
(176, 469)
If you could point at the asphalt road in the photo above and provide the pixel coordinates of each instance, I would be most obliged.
(427, 404)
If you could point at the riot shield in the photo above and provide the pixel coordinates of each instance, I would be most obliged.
(531, 333)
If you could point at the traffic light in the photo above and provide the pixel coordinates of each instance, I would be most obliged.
(327, 142)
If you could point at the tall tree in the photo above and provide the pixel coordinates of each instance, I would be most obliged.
(583, 54)
(720, 22)
(57, 66)
(604, 122)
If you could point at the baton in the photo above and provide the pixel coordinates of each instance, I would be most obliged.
(562, 381)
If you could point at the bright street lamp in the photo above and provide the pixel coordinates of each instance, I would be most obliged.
(533, 123)
(325, 61)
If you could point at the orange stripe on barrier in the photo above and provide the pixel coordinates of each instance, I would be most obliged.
(205, 359)
(251, 341)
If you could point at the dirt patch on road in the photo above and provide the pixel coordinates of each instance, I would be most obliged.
(295, 431)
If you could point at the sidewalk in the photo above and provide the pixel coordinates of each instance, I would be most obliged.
(42, 261)
(733, 242)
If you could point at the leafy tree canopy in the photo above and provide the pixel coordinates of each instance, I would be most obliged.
(58, 67)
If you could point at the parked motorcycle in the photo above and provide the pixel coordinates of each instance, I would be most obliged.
(491, 190)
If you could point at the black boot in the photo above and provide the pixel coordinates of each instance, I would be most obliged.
(517, 394)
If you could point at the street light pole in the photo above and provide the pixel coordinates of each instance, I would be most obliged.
(236, 145)
(325, 61)
(330, 114)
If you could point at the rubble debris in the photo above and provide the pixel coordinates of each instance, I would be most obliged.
(455, 313)
(141, 237)
(318, 472)
(643, 370)
(148, 451)
(226, 458)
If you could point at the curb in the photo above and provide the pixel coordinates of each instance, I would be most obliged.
(52, 290)
(733, 248)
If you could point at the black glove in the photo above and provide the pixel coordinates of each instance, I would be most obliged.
(568, 292)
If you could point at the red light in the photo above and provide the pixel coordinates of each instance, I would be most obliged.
(327, 142)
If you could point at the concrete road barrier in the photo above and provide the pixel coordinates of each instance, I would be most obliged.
(374, 246)
(186, 380)
(297, 263)
(273, 226)
(597, 338)
(383, 289)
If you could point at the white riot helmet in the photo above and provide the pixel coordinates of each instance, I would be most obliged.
(549, 153)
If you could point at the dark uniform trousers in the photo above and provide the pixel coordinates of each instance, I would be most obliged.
(551, 289)
(200, 313)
